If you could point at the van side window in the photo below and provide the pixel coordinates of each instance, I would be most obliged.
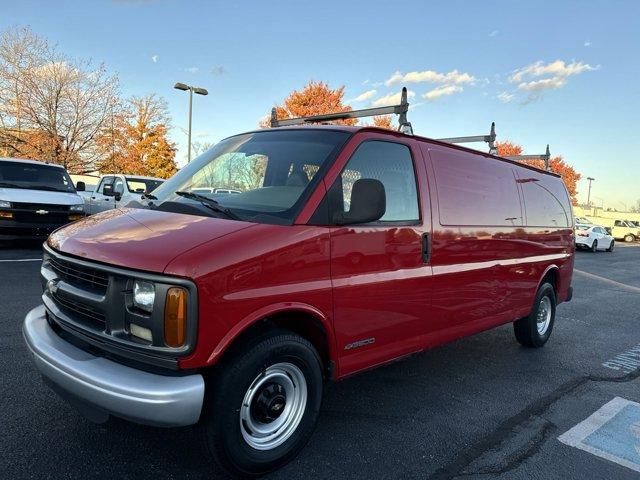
(391, 163)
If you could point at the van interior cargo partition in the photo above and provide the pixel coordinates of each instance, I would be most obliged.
(404, 126)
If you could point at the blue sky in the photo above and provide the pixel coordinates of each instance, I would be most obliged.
(564, 73)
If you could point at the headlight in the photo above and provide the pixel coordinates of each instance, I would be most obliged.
(5, 204)
(77, 208)
(144, 294)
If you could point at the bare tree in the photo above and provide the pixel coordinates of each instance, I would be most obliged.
(52, 107)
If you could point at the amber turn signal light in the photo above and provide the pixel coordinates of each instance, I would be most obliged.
(175, 317)
(73, 218)
(6, 215)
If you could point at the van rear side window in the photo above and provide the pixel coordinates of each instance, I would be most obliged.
(545, 199)
(475, 191)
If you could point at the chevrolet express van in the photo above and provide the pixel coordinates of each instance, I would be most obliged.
(346, 248)
(35, 199)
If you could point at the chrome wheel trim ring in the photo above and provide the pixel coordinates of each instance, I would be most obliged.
(269, 435)
(543, 317)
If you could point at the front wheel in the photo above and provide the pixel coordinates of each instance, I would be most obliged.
(264, 404)
(535, 329)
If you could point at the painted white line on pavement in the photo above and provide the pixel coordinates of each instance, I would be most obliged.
(22, 260)
(627, 362)
(609, 281)
(613, 433)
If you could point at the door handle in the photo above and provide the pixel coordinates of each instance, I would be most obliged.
(426, 248)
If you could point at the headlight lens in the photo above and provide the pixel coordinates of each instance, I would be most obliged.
(77, 208)
(5, 204)
(144, 294)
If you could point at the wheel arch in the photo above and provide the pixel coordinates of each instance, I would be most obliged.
(300, 318)
(552, 274)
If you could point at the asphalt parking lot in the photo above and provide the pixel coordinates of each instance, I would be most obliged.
(482, 407)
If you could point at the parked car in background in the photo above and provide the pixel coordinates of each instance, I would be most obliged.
(35, 199)
(593, 237)
(119, 190)
(625, 230)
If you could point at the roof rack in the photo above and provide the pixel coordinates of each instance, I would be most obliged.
(544, 157)
(401, 109)
(404, 126)
(490, 139)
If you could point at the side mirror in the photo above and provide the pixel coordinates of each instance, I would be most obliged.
(368, 203)
(107, 190)
(81, 187)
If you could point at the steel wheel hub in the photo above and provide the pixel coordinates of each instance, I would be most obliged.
(273, 406)
(543, 318)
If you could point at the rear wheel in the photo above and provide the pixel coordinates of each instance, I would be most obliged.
(264, 404)
(629, 238)
(610, 249)
(535, 329)
(594, 246)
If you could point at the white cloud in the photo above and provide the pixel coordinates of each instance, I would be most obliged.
(218, 70)
(494, 33)
(453, 77)
(539, 77)
(192, 69)
(587, 43)
(557, 69)
(155, 58)
(368, 95)
(443, 91)
(391, 99)
(506, 97)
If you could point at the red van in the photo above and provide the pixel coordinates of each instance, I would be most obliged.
(341, 249)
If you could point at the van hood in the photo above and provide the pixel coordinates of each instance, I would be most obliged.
(27, 195)
(139, 239)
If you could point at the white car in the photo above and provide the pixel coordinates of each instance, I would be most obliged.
(593, 237)
(35, 199)
(115, 191)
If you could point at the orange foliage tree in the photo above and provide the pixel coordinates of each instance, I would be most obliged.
(138, 141)
(556, 165)
(316, 98)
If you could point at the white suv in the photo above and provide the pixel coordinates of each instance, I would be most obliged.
(593, 237)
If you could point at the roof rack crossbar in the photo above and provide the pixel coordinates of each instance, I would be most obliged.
(401, 109)
(544, 157)
(489, 139)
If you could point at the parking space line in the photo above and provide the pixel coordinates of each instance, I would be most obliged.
(612, 432)
(609, 281)
(22, 260)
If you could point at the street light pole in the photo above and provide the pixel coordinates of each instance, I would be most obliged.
(591, 179)
(192, 90)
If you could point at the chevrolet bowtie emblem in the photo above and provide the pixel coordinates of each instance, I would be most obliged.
(42, 212)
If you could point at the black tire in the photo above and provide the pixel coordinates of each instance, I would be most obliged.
(629, 238)
(526, 329)
(610, 249)
(226, 395)
(594, 246)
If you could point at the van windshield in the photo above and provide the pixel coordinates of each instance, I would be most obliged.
(34, 176)
(260, 176)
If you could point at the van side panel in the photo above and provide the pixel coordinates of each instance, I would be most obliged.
(487, 263)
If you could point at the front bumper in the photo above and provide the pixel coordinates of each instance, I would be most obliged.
(108, 387)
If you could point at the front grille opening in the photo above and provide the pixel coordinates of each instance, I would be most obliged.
(93, 317)
(80, 276)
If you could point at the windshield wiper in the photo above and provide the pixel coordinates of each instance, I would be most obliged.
(149, 196)
(209, 203)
